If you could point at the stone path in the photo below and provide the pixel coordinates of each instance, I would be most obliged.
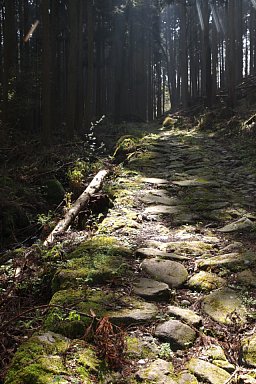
(184, 267)
(190, 201)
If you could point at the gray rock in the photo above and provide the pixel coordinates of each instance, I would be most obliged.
(233, 247)
(137, 312)
(154, 180)
(209, 206)
(152, 252)
(247, 277)
(158, 196)
(249, 350)
(163, 210)
(229, 260)
(186, 378)
(170, 272)
(217, 357)
(224, 306)
(151, 289)
(158, 372)
(179, 335)
(195, 183)
(206, 281)
(186, 315)
(208, 372)
(239, 225)
(192, 247)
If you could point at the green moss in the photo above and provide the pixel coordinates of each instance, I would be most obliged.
(139, 349)
(44, 362)
(249, 350)
(31, 374)
(124, 146)
(168, 121)
(69, 328)
(189, 247)
(103, 244)
(80, 301)
(94, 261)
(37, 360)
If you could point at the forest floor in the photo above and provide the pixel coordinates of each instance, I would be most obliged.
(162, 290)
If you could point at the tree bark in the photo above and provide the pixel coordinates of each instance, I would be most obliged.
(46, 74)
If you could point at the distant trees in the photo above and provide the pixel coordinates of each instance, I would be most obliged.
(219, 36)
(127, 59)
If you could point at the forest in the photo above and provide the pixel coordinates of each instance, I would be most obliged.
(127, 191)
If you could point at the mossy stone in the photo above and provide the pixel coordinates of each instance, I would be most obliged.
(94, 261)
(81, 301)
(158, 371)
(168, 121)
(208, 372)
(100, 244)
(140, 348)
(206, 281)
(40, 361)
(249, 350)
(89, 270)
(224, 304)
(186, 378)
(133, 311)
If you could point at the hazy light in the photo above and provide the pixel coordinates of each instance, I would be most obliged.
(215, 17)
(254, 3)
(200, 15)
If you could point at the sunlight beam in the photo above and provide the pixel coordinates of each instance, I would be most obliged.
(200, 15)
(216, 17)
(253, 3)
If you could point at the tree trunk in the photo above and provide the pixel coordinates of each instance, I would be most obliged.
(89, 103)
(183, 54)
(46, 73)
(10, 54)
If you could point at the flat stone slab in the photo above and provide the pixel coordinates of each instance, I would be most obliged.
(164, 209)
(186, 378)
(208, 206)
(154, 180)
(179, 335)
(151, 289)
(233, 247)
(249, 350)
(136, 312)
(40, 360)
(186, 315)
(158, 196)
(157, 372)
(208, 372)
(170, 272)
(206, 281)
(247, 277)
(229, 260)
(194, 247)
(195, 183)
(217, 357)
(225, 305)
(239, 225)
(152, 252)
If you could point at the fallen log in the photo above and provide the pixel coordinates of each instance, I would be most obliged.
(250, 120)
(79, 204)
